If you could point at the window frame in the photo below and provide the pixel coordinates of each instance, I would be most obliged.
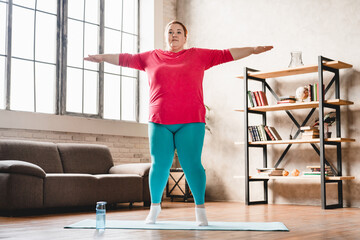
(61, 62)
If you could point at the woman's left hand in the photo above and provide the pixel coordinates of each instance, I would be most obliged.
(261, 49)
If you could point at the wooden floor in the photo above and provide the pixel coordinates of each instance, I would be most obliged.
(304, 222)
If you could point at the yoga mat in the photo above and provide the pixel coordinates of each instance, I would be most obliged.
(183, 225)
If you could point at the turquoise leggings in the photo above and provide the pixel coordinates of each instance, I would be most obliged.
(188, 139)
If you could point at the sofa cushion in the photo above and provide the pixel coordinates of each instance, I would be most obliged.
(85, 158)
(69, 189)
(21, 167)
(142, 169)
(43, 154)
(117, 188)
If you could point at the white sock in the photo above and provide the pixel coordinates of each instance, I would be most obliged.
(201, 219)
(153, 214)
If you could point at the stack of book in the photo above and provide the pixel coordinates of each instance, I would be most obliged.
(309, 132)
(316, 171)
(257, 98)
(263, 133)
(270, 171)
(314, 91)
(286, 99)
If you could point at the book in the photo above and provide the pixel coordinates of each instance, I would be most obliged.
(255, 133)
(314, 91)
(270, 171)
(263, 98)
(260, 98)
(308, 128)
(254, 99)
(286, 101)
(309, 137)
(263, 132)
(251, 103)
(290, 97)
(257, 98)
(310, 133)
(317, 167)
(267, 168)
(250, 134)
(269, 133)
(314, 174)
(275, 133)
(318, 173)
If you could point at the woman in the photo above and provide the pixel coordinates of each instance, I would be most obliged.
(177, 112)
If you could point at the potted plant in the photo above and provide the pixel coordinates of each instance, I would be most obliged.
(329, 119)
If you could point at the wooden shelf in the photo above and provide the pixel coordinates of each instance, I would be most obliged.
(297, 70)
(298, 141)
(298, 105)
(303, 177)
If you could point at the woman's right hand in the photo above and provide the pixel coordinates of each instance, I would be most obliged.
(95, 58)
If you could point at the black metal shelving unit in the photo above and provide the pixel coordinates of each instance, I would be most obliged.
(323, 65)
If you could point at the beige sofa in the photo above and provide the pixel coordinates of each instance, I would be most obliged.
(37, 175)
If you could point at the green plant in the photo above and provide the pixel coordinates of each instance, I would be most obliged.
(208, 109)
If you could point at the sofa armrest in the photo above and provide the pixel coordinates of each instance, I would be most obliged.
(141, 169)
(21, 167)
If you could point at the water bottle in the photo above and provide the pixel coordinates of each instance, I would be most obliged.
(100, 215)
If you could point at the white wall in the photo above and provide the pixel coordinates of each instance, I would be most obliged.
(329, 28)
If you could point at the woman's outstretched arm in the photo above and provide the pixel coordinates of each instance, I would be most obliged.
(238, 53)
(99, 58)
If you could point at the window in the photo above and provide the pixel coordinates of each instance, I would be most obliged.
(121, 35)
(47, 72)
(33, 56)
(3, 31)
(82, 77)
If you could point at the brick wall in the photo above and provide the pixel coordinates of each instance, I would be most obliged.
(123, 149)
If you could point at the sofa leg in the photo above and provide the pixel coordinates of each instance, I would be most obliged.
(147, 203)
(131, 205)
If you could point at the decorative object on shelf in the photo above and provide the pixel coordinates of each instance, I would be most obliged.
(295, 173)
(302, 93)
(285, 173)
(296, 59)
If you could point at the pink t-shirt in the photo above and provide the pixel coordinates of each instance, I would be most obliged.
(175, 79)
